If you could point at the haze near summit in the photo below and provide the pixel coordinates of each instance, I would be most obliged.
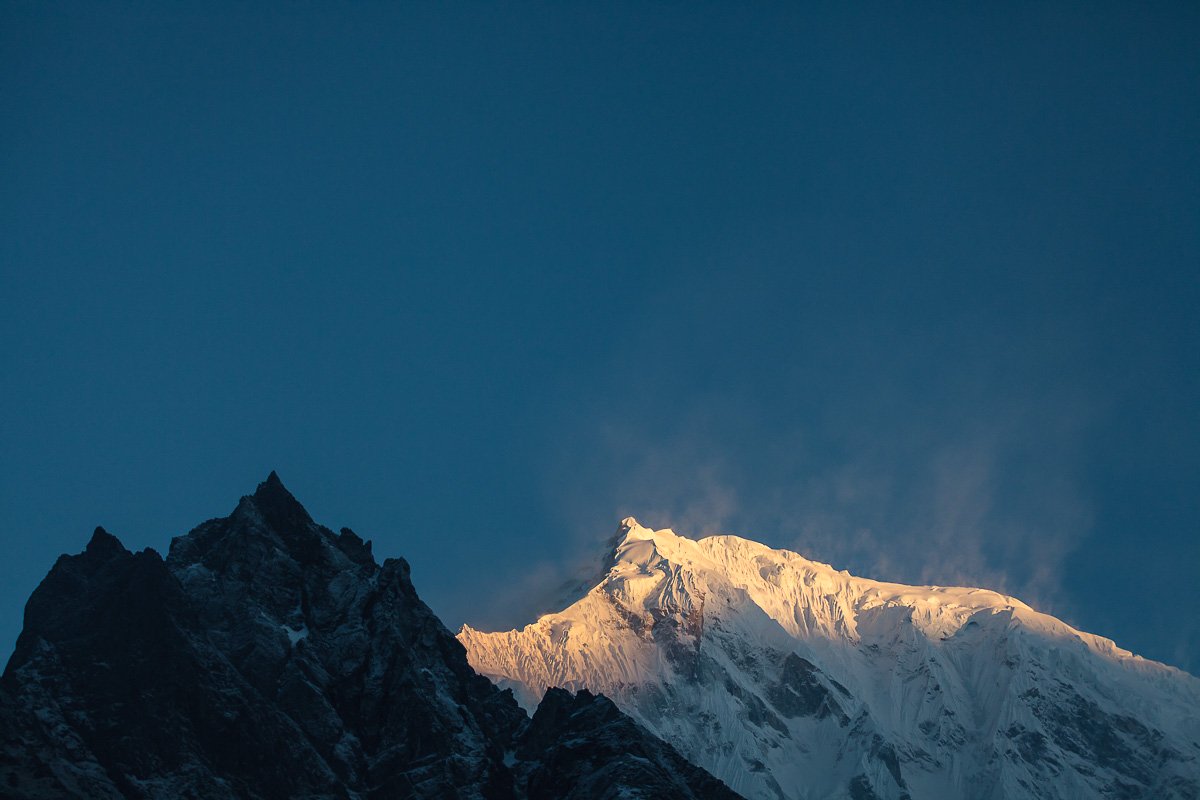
(910, 292)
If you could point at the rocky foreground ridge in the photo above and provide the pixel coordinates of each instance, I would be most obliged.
(268, 657)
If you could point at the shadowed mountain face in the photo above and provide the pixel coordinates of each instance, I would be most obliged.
(268, 657)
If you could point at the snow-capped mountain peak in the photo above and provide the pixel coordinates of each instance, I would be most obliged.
(791, 679)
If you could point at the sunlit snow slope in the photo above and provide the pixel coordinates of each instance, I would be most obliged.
(790, 679)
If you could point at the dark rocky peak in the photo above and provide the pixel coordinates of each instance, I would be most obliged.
(115, 690)
(354, 547)
(558, 712)
(93, 600)
(104, 545)
(269, 530)
(583, 746)
(279, 507)
(268, 657)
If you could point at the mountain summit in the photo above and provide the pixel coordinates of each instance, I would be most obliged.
(790, 679)
(268, 657)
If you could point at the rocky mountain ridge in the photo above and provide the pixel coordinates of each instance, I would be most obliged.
(268, 657)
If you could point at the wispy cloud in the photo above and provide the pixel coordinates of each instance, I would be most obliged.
(997, 504)
(675, 475)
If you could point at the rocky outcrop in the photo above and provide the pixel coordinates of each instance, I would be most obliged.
(582, 746)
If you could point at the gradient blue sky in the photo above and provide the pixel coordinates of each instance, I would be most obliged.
(912, 290)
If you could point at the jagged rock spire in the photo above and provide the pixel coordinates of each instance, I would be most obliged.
(278, 505)
(104, 543)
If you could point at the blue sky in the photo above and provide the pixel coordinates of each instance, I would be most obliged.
(912, 291)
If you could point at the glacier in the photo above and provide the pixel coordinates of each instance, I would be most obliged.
(792, 680)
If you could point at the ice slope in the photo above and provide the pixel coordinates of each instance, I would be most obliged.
(790, 679)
